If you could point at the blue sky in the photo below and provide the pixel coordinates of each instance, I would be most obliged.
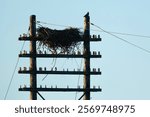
(125, 69)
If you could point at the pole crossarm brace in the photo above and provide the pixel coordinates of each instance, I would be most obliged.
(81, 96)
(40, 95)
(63, 89)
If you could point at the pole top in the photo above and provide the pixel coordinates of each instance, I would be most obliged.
(32, 15)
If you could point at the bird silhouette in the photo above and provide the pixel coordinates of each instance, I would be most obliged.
(87, 14)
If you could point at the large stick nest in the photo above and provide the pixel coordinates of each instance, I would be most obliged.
(62, 41)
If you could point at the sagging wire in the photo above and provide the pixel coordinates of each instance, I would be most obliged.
(54, 60)
(137, 46)
(15, 68)
(78, 79)
(119, 33)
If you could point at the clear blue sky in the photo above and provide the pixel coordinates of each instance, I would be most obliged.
(125, 69)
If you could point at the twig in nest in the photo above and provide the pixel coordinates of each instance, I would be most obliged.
(59, 40)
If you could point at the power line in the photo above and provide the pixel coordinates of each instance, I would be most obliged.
(13, 73)
(137, 46)
(54, 60)
(126, 34)
(78, 79)
(119, 33)
(53, 24)
(15, 69)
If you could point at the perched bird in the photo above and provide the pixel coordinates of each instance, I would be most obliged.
(87, 14)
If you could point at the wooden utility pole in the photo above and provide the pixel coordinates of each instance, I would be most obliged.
(33, 79)
(33, 71)
(86, 38)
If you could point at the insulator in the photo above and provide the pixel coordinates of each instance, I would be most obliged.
(24, 52)
(93, 36)
(20, 86)
(24, 35)
(67, 69)
(51, 86)
(45, 86)
(55, 68)
(24, 68)
(40, 86)
(93, 87)
(44, 52)
(94, 70)
(24, 86)
(94, 52)
(40, 68)
(99, 53)
(44, 68)
(99, 36)
(20, 35)
(56, 86)
(98, 87)
(51, 69)
(78, 87)
(98, 69)
(20, 52)
(67, 86)
(74, 70)
(63, 69)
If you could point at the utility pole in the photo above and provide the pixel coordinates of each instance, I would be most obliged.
(33, 77)
(33, 71)
(86, 50)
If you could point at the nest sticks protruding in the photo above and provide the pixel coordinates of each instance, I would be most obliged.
(62, 41)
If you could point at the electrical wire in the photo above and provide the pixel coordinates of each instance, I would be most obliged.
(78, 79)
(54, 61)
(15, 68)
(38, 22)
(13, 73)
(112, 32)
(137, 46)
(125, 34)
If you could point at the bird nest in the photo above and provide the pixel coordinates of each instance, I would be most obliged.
(59, 41)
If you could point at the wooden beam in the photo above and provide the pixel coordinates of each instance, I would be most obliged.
(37, 39)
(33, 77)
(86, 44)
(58, 56)
(62, 89)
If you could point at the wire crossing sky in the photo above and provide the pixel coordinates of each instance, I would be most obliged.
(125, 69)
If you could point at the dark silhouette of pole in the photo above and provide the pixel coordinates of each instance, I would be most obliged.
(33, 78)
(87, 56)
(33, 71)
